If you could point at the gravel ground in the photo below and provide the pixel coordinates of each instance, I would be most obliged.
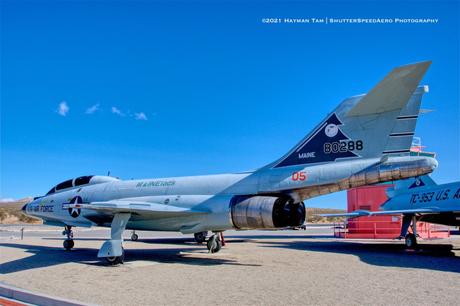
(270, 268)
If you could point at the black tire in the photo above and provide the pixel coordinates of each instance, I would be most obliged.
(68, 244)
(411, 241)
(134, 237)
(218, 246)
(112, 260)
(214, 245)
(200, 237)
(115, 260)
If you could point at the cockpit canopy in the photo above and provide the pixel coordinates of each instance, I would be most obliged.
(80, 181)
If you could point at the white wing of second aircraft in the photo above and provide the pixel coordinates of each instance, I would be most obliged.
(361, 213)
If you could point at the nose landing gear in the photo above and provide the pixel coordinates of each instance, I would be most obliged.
(68, 243)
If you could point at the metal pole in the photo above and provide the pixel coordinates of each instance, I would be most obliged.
(22, 233)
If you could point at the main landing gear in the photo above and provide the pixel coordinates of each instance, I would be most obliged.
(200, 237)
(115, 260)
(409, 238)
(215, 243)
(112, 250)
(68, 242)
(411, 241)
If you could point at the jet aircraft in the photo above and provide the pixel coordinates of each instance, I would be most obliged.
(417, 199)
(364, 140)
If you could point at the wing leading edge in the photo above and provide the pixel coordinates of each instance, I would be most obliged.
(362, 213)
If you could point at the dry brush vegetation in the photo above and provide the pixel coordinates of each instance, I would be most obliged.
(312, 215)
(11, 213)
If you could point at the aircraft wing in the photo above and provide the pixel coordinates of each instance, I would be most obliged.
(135, 207)
(361, 213)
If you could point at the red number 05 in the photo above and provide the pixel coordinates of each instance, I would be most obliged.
(299, 176)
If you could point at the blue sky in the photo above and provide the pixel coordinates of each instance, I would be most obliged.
(155, 89)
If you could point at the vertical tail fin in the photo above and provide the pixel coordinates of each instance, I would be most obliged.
(409, 184)
(401, 136)
(380, 122)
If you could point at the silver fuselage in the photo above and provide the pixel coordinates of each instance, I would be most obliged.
(213, 193)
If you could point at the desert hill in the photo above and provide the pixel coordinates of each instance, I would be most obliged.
(11, 212)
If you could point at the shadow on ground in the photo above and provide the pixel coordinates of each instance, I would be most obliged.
(177, 241)
(46, 256)
(439, 257)
(248, 237)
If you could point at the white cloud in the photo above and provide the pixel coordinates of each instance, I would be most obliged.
(92, 109)
(117, 111)
(137, 116)
(140, 116)
(63, 108)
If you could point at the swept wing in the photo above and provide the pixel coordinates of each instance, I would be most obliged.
(135, 207)
(361, 213)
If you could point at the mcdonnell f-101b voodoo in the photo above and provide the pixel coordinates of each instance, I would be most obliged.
(365, 140)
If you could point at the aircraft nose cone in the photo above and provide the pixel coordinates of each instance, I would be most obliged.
(24, 207)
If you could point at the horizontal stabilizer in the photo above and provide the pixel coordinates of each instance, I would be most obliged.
(393, 92)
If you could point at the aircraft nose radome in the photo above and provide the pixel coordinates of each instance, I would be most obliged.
(24, 207)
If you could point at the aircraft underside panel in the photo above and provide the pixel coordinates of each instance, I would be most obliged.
(448, 218)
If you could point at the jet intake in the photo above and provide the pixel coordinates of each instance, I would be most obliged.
(267, 212)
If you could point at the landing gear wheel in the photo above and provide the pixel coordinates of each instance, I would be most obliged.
(134, 237)
(214, 244)
(200, 237)
(68, 244)
(411, 241)
(115, 260)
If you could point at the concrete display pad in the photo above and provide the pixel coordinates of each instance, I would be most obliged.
(255, 267)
